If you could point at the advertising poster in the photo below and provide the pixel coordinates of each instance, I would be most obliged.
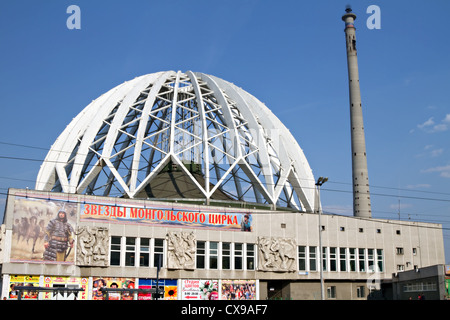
(43, 231)
(168, 288)
(200, 289)
(238, 290)
(66, 282)
(165, 216)
(119, 283)
(23, 281)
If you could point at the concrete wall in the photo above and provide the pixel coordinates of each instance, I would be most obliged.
(425, 239)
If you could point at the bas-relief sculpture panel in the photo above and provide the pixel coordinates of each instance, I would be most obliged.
(92, 246)
(181, 250)
(276, 254)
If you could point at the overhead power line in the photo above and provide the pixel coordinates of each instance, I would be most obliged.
(6, 157)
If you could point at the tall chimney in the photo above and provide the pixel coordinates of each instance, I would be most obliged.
(361, 194)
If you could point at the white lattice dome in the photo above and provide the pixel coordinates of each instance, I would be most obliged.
(172, 135)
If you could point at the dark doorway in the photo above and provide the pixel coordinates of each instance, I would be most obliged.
(278, 290)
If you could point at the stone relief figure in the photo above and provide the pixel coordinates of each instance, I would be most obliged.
(181, 250)
(276, 254)
(92, 246)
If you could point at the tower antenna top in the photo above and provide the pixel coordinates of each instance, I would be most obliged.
(348, 8)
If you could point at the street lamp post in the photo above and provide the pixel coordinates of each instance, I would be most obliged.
(319, 183)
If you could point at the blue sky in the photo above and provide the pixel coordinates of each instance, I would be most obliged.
(289, 54)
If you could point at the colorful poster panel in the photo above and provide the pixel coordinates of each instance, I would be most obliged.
(199, 289)
(168, 288)
(65, 282)
(238, 290)
(23, 281)
(43, 231)
(111, 283)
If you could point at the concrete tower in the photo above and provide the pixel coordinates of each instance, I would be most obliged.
(361, 194)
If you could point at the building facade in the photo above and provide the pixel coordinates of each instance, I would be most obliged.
(58, 242)
(428, 283)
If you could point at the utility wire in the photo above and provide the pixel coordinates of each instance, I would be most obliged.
(323, 189)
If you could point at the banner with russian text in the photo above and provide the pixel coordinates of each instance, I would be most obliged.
(165, 216)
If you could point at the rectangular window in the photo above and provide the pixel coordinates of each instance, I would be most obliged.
(352, 259)
(333, 259)
(380, 260)
(302, 258)
(324, 259)
(362, 260)
(238, 256)
(399, 251)
(115, 251)
(360, 292)
(158, 253)
(312, 259)
(213, 255)
(226, 255)
(343, 259)
(144, 252)
(370, 260)
(201, 253)
(250, 255)
(331, 292)
(130, 252)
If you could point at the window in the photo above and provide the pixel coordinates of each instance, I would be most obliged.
(213, 255)
(115, 251)
(312, 259)
(360, 291)
(370, 260)
(331, 292)
(419, 286)
(380, 260)
(414, 251)
(302, 258)
(324, 259)
(400, 267)
(238, 256)
(361, 230)
(226, 255)
(352, 257)
(333, 259)
(250, 256)
(399, 251)
(158, 254)
(130, 252)
(362, 260)
(144, 252)
(201, 253)
(343, 259)
(397, 232)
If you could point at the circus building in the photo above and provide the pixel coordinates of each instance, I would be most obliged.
(183, 186)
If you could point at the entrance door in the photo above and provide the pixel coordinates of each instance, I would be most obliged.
(275, 290)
